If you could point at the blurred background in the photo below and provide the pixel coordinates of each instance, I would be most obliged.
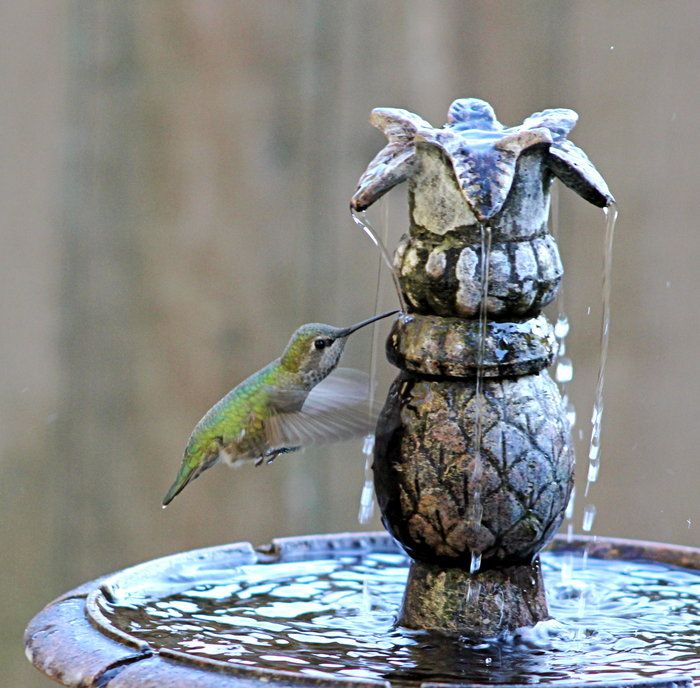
(175, 185)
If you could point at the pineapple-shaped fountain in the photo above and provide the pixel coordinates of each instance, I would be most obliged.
(473, 461)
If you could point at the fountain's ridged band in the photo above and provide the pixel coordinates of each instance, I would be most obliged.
(448, 347)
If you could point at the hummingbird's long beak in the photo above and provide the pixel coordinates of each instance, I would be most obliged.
(353, 328)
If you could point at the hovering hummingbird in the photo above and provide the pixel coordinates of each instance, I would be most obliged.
(290, 404)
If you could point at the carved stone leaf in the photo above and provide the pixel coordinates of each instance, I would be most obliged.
(572, 166)
(559, 121)
(482, 152)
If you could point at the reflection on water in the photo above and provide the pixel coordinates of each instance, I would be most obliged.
(614, 620)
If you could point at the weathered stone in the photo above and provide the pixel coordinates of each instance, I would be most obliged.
(447, 347)
(487, 603)
(476, 189)
(425, 455)
(483, 154)
(440, 265)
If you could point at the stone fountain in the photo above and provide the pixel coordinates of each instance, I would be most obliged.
(473, 464)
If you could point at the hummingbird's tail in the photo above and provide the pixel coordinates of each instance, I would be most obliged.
(189, 470)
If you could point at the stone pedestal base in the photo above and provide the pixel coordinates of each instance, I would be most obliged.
(451, 601)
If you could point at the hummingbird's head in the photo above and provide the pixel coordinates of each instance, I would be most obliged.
(315, 349)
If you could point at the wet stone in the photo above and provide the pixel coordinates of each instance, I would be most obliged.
(424, 460)
(467, 478)
(444, 277)
(448, 347)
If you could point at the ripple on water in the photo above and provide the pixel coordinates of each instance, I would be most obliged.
(613, 620)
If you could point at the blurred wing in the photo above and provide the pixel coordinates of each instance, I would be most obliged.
(337, 408)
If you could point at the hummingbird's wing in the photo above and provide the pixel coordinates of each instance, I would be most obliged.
(337, 408)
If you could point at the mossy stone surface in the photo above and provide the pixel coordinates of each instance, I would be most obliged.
(425, 457)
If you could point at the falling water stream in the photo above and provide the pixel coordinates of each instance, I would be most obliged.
(590, 510)
(597, 416)
(334, 618)
(475, 508)
(563, 374)
(361, 220)
(366, 510)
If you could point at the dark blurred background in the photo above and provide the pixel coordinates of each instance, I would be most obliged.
(175, 183)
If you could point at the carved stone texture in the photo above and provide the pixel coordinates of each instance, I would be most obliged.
(470, 173)
(439, 263)
(483, 154)
(474, 184)
(447, 347)
(425, 455)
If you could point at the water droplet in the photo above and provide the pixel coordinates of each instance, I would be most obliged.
(368, 445)
(366, 503)
(561, 327)
(594, 451)
(475, 564)
(581, 610)
(564, 371)
(689, 522)
(571, 504)
(366, 599)
(589, 513)
(593, 470)
(567, 568)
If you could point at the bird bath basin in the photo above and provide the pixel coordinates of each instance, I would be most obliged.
(319, 610)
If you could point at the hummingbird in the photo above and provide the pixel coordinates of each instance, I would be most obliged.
(291, 403)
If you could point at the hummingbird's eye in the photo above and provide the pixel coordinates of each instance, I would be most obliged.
(320, 343)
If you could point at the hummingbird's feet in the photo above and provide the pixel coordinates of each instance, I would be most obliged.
(271, 454)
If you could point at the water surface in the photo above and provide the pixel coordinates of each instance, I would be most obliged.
(614, 620)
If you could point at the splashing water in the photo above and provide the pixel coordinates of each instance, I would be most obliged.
(476, 509)
(589, 513)
(367, 496)
(334, 618)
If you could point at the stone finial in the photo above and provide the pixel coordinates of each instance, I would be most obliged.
(483, 154)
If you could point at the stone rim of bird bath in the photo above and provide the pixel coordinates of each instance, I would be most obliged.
(73, 643)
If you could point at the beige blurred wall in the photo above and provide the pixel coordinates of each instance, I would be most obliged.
(175, 180)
